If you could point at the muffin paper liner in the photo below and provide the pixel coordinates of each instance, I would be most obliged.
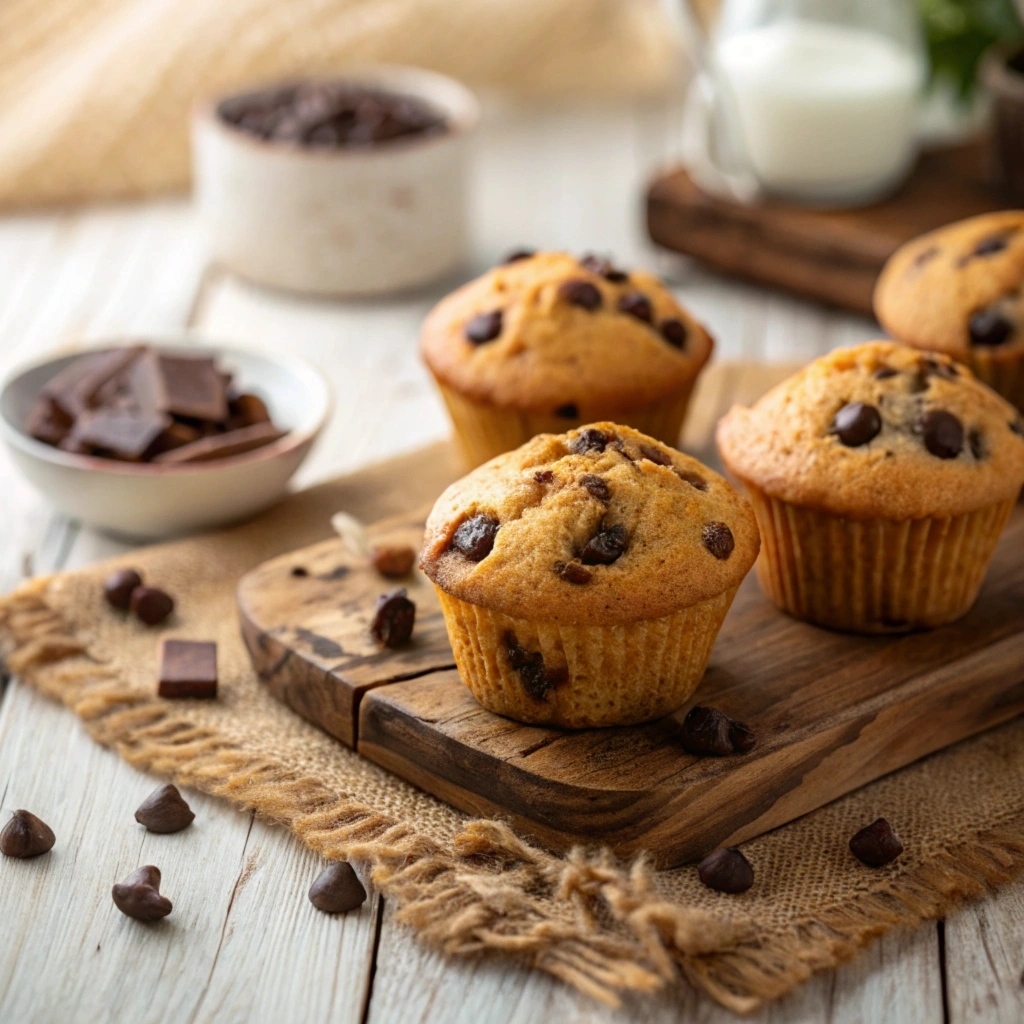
(873, 575)
(483, 431)
(613, 675)
(1003, 374)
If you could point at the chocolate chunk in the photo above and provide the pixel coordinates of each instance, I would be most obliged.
(933, 367)
(221, 446)
(188, 668)
(606, 547)
(118, 588)
(885, 372)
(151, 605)
(976, 440)
(674, 332)
(475, 537)
(337, 889)
(856, 424)
(48, 422)
(76, 388)
(543, 476)
(537, 680)
(726, 870)
(693, 479)
(138, 896)
(590, 439)
(581, 293)
(177, 435)
(114, 434)
(520, 254)
(568, 411)
(392, 560)
(942, 433)
(246, 410)
(393, 618)
(718, 539)
(185, 386)
(164, 811)
(596, 486)
(655, 455)
(573, 572)
(603, 267)
(710, 731)
(876, 844)
(25, 835)
(637, 304)
(484, 327)
(989, 327)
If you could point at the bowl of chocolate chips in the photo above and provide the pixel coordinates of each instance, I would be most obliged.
(343, 187)
(154, 440)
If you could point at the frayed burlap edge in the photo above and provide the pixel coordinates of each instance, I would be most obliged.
(487, 891)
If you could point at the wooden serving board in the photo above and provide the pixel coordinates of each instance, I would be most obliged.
(831, 255)
(830, 711)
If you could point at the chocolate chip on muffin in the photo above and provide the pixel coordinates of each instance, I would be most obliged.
(484, 327)
(590, 439)
(655, 455)
(604, 267)
(596, 486)
(578, 292)
(718, 539)
(637, 304)
(475, 537)
(674, 332)
(537, 679)
(573, 572)
(942, 433)
(856, 424)
(606, 546)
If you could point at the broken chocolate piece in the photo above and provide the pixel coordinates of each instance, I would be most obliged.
(393, 618)
(138, 896)
(77, 387)
(605, 547)
(115, 434)
(221, 446)
(537, 680)
(708, 731)
(876, 844)
(474, 538)
(188, 668)
(164, 811)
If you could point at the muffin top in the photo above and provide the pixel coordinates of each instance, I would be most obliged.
(546, 332)
(601, 525)
(958, 288)
(879, 431)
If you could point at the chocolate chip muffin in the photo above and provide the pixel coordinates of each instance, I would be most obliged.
(960, 290)
(546, 342)
(584, 576)
(881, 478)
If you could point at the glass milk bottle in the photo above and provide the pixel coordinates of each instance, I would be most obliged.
(820, 97)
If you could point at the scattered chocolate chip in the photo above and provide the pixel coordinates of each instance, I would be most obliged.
(151, 605)
(976, 440)
(581, 293)
(300, 571)
(394, 560)
(337, 889)
(989, 327)
(164, 811)
(655, 455)
(856, 424)
(588, 440)
(710, 731)
(674, 332)
(638, 305)
(188, 668)
(520, 254)
(876, 844)
(393, 618)
(942, 433)
(138, 896)
(718, 539)
(484, 327)
(885, 372)
(596, 486)
(25, 835)
(475, 537)
(726, 870)
(693, 479)
(605, 547)
(543, 476)
(573, 572)
(603, 267)
(118, 587)
(568, 411)
(536, 679)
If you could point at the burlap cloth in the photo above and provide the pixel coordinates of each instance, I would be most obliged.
(95, 95)
(468, 886)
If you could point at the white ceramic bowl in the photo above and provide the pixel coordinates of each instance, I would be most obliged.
(340, 221)
(149, 501)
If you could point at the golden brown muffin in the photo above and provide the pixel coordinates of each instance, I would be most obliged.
(881, 478)
(545, 342)
(584, 576)
(960, 290)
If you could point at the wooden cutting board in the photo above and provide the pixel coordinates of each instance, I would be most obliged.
(831, 255)
(830, 711)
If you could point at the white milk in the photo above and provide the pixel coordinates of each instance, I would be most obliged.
(824, 111)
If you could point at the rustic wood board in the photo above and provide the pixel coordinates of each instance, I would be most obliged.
(831, 255)
(831, 711)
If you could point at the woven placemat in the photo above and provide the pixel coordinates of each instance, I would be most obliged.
(468, 885)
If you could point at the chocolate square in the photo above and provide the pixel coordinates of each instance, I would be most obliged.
(188, 668)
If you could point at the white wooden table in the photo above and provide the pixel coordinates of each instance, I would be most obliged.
(245, 944)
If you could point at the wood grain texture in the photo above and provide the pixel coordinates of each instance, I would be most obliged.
(833, 256)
